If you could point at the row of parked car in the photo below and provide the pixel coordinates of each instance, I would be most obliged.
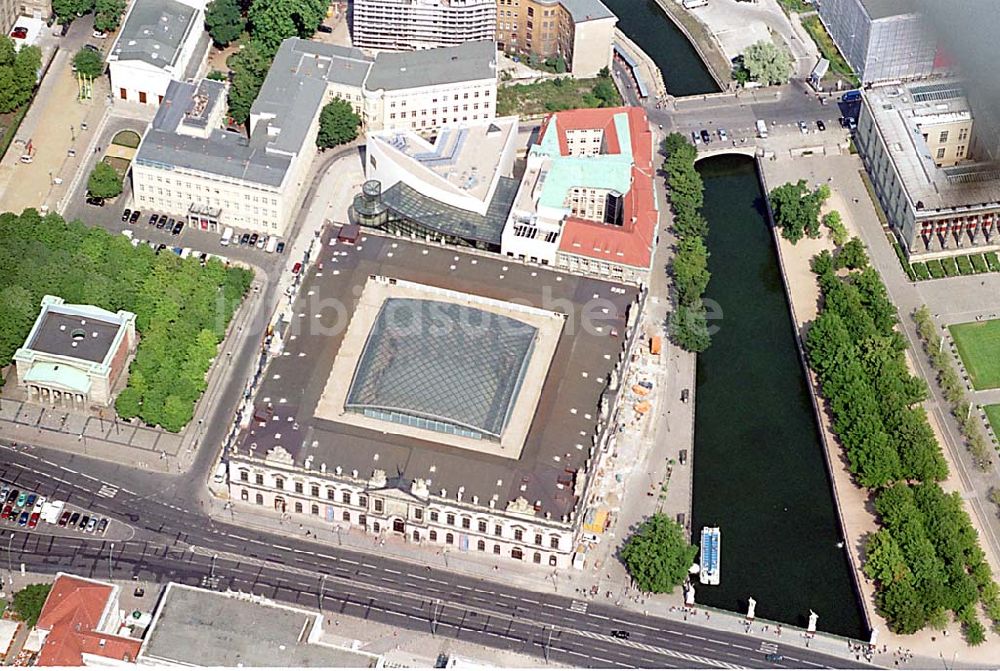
(27, 509)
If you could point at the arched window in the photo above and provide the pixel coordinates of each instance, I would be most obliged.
(347, 516)
(496, 548)
(537, 558)
(552, 560)
(516, 553)
(481, 546)
(298, 506)
(315, 509)
(260, 499)
(433, 535)
(449, 539)
(244, 495)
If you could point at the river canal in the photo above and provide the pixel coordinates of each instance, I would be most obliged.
(646, 25)
(759, 473)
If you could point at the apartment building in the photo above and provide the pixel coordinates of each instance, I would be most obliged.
(585, 202)
(883, 40)
(939, 190)
(39, 9)
(188, 165)
(405, 25)
(422, 90)
(579, 31)
(159, 41)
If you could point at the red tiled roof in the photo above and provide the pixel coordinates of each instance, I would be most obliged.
(72, 611)
(632, 243)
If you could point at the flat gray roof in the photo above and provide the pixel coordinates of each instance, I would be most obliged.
(587, 10)
(565, 417)
(902, 114)
(84, 338)
(154, 32)
(882, 9)
(199, 627)
(426, 67)
(221, 153)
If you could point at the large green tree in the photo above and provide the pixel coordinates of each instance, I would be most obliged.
(338, 124)
(767, 62)
(273, 21)
(690, 266)
(249, 66)
(104, 181)
(224, 20)
(88, 63)
(67, 10)
(658, 555)
(796, 209)
(18, 74)
(108, 14)
(28, 602)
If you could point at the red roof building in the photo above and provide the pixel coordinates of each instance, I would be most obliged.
(79, 620)
(586, 200)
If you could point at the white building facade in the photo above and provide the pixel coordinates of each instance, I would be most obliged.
(404, 25)
(159, 41)
(351, 501)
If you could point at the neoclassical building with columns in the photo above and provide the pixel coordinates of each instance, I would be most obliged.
(456, 400)
(75, 354)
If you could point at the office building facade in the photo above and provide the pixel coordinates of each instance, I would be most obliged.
(405, 25)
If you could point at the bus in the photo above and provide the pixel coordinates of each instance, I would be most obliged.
(761, 129)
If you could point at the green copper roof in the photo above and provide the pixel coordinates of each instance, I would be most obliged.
(59, 375)
(606, 171)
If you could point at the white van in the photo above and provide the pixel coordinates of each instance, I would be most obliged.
(761, 129)
(272, 244)
(227, 235)
(220, 474)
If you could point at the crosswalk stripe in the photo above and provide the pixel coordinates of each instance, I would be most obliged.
(578, 606)
(107, 491)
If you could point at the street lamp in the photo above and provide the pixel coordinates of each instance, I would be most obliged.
(212, 572)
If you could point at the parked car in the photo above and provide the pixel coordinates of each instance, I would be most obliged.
(695, 138)
(723, 135)
(95, 201)
(12, 496)
(19, 33)
(99, 34)
(153, 219)
(162, 222)
(23, 519)
(64, 518)
(820, 125)
(253, 239)
(7, 510)
(91, 525)
(261, 241)
(73, 519)
(126, 213)
(803, 128)
(178, 227)
(33, 520)
(774, 657)
(296, 268)
(280, 248)
(135, 216)
(620, 633)
(705, 137)
(245, 238)
(21, 500)
(103, 526)
(90, 47)
(84, 521)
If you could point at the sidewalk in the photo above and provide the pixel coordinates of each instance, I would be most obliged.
(568, 583)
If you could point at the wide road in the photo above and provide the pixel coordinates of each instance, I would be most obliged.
(173, 542)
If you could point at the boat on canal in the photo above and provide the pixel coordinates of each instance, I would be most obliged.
(710, 563)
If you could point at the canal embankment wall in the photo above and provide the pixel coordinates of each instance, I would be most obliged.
(701, 39)
(831, 451)
(647, 67)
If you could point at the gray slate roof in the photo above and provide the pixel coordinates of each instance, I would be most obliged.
(222, 153)
(587, 10)
(426, 67)
(84, 338)
(881, 9)
(155, 31)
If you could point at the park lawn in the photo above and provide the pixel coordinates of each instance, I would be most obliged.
(126, 138)
(838, 64)
(549, 96)
(978, 344)
(993, 414)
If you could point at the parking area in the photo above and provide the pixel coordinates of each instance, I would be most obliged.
(31, 510)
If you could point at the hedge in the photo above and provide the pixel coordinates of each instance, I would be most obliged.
(993, 261)
(935, 269)
(978, 263)
(964, 265)
(950, 266)
(920, 270)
